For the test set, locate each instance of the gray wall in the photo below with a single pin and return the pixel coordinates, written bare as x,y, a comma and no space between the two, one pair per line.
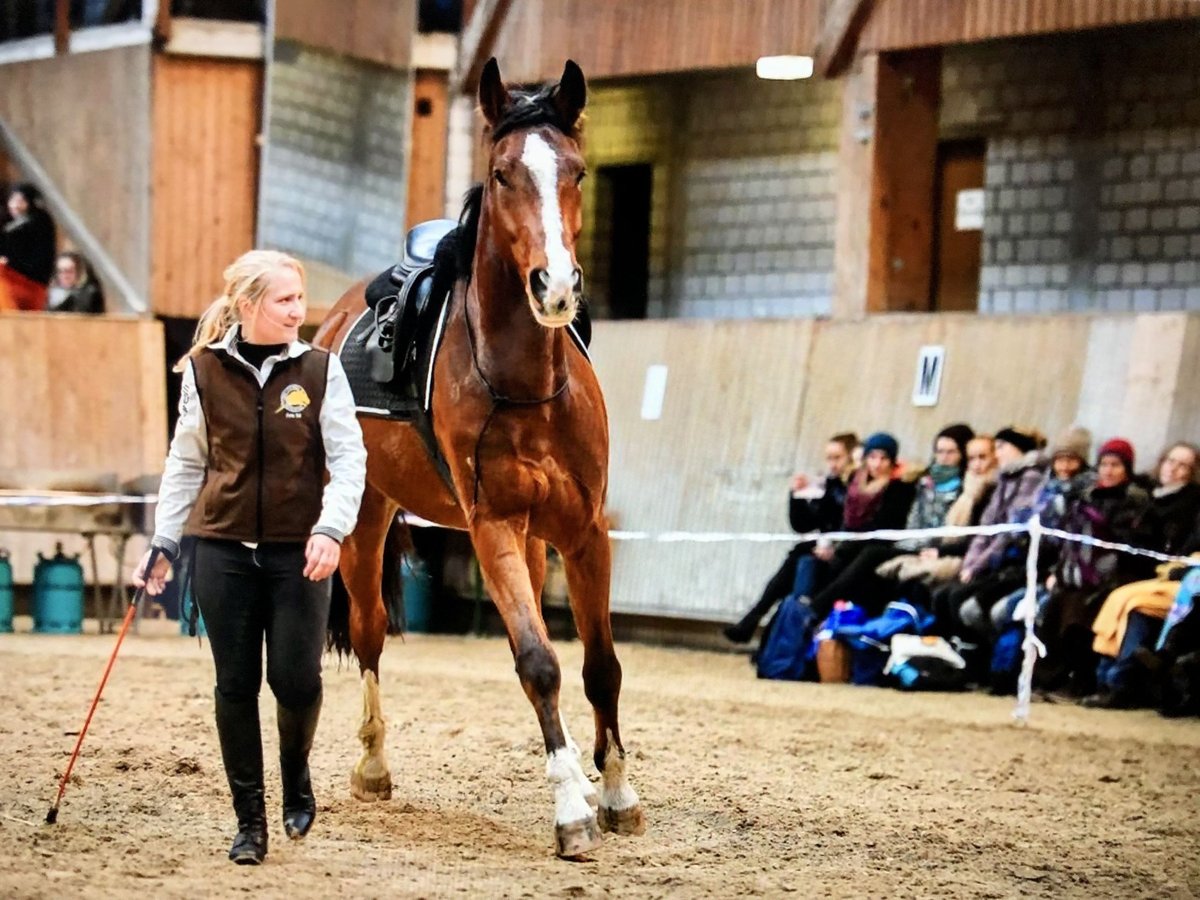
1093,167
334,183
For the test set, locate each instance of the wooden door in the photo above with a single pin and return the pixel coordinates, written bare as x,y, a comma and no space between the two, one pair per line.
958,231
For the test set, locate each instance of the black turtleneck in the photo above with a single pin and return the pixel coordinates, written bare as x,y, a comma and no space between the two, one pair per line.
256,354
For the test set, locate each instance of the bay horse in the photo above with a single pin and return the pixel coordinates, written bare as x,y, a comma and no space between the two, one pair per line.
520,418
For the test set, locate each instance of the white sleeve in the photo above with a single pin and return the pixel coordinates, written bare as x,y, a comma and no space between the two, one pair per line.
345,456
183,474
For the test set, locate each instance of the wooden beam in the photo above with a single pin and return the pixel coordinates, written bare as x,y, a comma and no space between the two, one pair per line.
163,22
478,39
841,26
62,26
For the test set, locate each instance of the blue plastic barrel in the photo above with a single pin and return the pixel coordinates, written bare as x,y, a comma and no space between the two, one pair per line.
58,594
6,593
418,594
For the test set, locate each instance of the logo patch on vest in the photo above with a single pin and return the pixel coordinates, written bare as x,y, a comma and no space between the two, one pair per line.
293,401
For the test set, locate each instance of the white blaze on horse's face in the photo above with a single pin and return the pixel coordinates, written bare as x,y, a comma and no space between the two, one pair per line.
553,291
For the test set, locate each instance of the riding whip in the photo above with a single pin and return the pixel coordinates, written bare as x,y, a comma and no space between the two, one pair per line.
52,815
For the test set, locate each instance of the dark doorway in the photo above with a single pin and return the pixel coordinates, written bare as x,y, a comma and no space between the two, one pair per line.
627,191
957,228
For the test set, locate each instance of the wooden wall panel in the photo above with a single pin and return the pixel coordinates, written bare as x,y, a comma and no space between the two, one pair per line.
900,24
86,118
748,403
379,31
108,415
206,121
635,37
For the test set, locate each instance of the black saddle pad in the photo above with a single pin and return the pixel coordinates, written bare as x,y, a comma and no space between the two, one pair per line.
370,396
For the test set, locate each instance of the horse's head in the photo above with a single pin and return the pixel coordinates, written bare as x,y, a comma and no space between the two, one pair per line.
531,196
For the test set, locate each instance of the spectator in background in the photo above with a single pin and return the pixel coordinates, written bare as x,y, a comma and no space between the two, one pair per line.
938,561
806,513
994,565
1131,616
876,498
73,288
1110,507
27,247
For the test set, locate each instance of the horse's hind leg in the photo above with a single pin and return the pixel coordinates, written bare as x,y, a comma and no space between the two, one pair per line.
362,568
588,576
502,552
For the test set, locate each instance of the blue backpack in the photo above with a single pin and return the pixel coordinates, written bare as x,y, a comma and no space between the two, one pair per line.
784,653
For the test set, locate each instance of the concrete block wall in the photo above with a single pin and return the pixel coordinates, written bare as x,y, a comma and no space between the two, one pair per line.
1093,168
334,183
743,191
756,199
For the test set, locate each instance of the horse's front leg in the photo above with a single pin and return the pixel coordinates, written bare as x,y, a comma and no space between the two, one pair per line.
589,570
361,568
501,546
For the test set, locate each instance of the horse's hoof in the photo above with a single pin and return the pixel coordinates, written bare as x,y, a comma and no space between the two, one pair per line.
622,821
371,788
575,840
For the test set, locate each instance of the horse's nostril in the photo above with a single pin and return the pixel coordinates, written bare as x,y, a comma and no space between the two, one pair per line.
539,280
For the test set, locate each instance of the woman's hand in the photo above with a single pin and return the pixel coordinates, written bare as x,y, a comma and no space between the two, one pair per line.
929,554
156,582
321,557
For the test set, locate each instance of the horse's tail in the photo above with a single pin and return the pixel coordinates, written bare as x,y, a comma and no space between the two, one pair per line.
394,545
337,635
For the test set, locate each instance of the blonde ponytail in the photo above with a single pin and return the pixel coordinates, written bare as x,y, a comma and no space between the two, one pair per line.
246,278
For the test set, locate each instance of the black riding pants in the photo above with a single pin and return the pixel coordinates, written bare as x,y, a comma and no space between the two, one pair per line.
246,595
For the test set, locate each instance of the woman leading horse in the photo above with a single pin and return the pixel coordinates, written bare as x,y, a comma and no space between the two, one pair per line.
519,416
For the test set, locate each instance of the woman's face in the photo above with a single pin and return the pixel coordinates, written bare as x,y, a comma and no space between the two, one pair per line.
1007,453
837,458
1177,467
981,456
1110,471
879,464
18,205
946,452
66,275
277,318
1067,466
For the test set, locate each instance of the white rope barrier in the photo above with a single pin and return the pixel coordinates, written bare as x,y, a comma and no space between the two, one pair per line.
66,498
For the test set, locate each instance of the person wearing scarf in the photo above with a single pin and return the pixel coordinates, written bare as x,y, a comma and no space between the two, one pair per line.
877,498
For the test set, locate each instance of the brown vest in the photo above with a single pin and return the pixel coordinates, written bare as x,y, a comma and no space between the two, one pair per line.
266,459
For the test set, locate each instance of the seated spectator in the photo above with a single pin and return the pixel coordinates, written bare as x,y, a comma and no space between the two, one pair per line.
73,288
994,565
806,514
939,560
1131,616
877,498
27,247
1110,507
1068,461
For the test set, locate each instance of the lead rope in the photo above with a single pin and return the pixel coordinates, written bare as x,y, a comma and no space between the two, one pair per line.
499,401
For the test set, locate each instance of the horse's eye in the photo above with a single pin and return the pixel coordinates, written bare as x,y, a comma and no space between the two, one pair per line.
500,179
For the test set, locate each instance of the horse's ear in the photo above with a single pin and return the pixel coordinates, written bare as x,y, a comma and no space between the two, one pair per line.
493,95
570,96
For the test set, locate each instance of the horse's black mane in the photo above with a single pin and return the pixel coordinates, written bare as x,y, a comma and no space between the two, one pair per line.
456,252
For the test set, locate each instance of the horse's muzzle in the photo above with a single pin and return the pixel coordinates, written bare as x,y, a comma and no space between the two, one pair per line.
554,304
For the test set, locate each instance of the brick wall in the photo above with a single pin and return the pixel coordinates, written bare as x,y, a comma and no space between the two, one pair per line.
334,185
743,191
1093,168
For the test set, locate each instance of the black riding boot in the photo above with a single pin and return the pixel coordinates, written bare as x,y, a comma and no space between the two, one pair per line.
241,750
296,730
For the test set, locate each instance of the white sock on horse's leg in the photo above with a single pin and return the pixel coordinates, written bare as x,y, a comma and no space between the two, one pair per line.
563,773
616,794
585,784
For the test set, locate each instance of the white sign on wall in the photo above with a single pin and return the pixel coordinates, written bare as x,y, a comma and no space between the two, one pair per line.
968,210
931,360
654,392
